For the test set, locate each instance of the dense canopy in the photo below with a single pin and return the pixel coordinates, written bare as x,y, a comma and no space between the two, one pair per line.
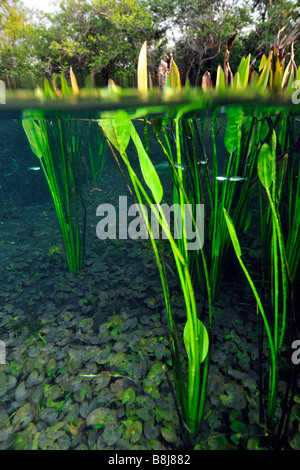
100,39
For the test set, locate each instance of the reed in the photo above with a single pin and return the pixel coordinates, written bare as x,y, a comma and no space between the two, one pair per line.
278,312
58,145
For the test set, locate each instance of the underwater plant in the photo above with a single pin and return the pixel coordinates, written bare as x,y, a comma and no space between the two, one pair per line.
57,144
271,172
94,152
259,150
245,139
118,130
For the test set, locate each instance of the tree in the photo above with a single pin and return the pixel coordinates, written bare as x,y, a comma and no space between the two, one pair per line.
102,36
271,16
15,58
202,28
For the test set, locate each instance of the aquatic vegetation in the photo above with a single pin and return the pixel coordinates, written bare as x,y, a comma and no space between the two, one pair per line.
94,152
271,175
71,153
245,138
33,327
259,150
118,130
62,181
57,144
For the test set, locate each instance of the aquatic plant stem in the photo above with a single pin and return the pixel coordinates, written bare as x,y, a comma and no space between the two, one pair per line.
273,355
61,179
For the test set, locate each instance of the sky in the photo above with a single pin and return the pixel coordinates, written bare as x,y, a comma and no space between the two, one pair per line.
44,5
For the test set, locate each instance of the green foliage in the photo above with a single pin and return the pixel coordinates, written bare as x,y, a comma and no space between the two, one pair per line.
100,39
202,337
15,24
257,149
57,144
264,166
148,171
271,172
232,233
117,130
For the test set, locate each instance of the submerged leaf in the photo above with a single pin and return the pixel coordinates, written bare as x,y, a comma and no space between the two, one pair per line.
232,233
235,119
149,173
134,430
235,396
264,166
203,340
168,432
117,130
128,396
157,123
36,137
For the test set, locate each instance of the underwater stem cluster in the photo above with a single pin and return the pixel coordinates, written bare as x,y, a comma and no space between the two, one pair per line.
259,150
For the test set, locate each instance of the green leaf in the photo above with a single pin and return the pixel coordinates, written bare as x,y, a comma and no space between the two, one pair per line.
217,241
203,340
49,93
280,173
134,432
264,130
235,119
232,233
149,173
264,76
128,396
240,428
251,142
276,74
173,79
243,71
237,85
220,83
155,371
264,166
36,137
288,76
65,89
168,432
117,130
263,60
